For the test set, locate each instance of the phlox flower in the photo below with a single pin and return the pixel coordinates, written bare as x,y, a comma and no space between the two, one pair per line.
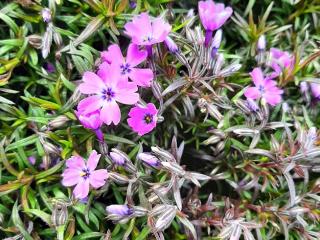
146,31
107,88
143,119
83,174
127,66
280,61
264,88
213,16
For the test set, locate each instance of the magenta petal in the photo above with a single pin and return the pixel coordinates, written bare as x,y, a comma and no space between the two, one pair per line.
252,92
91,83
114,55
257,76
272,99
142,77
93,160
71,177
127,98
91,104
82,189
110,112
98,177
135,56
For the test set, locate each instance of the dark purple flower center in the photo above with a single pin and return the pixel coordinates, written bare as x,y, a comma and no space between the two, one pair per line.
108,94
148,118
261,89
85,173
125,68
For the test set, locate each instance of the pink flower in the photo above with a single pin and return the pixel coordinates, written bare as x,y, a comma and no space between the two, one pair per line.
127,66
143,119
106,89
281,60
84,174
264,88
146,31
213,16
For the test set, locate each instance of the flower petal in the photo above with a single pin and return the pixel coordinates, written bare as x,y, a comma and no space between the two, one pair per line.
82,189
70,177
252,92
272,99
135,56
75,162
257,77
113,55
93,160
110,112
92,83
142,77
98,178
91,104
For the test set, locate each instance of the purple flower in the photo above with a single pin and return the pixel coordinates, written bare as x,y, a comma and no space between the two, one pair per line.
120,210
280,61
143,119
146,31
127,66
213,16
46,15
84,174
117,158
304,87
149,159
32,160
50,68
264,88
106,89
315,89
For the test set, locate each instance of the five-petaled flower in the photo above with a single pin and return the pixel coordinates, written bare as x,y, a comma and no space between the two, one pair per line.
127,66
264,87
213,16
83,174
107,88
143,119
146,31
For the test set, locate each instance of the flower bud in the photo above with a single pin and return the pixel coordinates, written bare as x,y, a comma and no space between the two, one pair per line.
304,87
46,15
133,4
216,43
117,158
252,105
149,159
32,160
58,121
261,44
218,63
59,215
35,41
121,210
171,45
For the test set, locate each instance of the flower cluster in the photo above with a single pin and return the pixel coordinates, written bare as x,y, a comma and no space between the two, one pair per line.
118,79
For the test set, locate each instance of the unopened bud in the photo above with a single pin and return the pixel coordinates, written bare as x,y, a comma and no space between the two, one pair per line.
58,121
149,159
171,45
120,210
261,44
216,42
46,15
304,87
35,41
117,158
59,215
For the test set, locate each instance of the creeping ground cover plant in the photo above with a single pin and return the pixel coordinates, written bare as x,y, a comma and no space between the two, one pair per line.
152,119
